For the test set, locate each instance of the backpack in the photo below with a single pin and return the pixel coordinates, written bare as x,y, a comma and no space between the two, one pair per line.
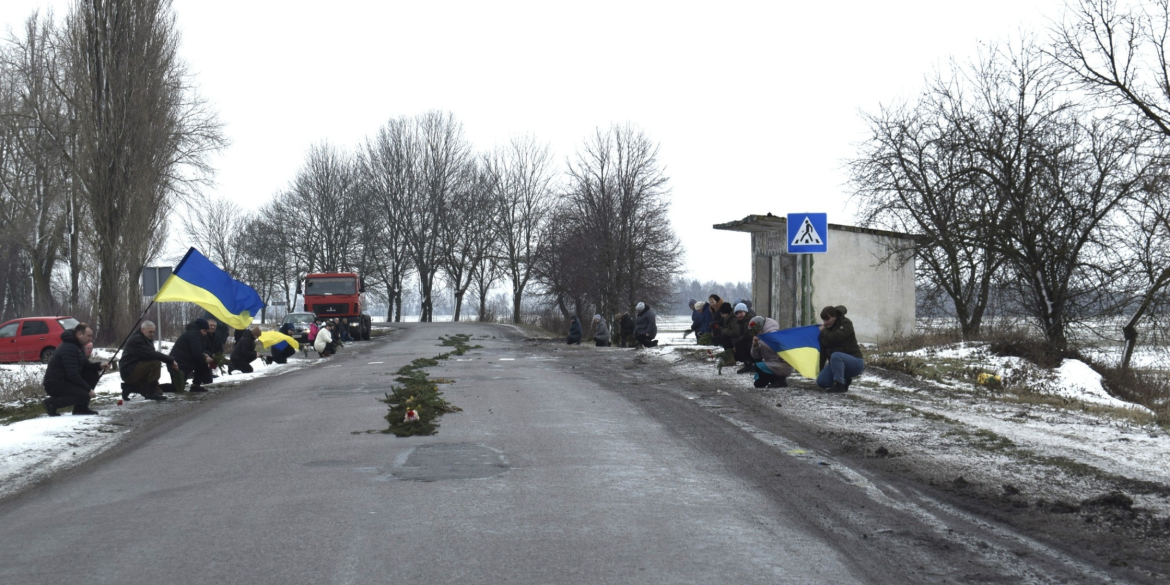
313,329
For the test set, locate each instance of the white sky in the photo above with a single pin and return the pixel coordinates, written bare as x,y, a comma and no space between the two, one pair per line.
755,104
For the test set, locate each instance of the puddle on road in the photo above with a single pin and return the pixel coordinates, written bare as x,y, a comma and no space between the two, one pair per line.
445,461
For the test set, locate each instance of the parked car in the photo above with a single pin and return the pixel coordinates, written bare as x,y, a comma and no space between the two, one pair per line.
300,325
32,339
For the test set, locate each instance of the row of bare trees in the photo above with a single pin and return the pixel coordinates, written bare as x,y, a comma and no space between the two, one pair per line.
416,206
1039,169
101,136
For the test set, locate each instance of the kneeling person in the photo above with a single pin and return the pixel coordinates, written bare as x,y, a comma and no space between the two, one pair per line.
244,353
141,366
324,343
69,374
771,370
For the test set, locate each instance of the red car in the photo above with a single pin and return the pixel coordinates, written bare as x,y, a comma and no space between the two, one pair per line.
33,338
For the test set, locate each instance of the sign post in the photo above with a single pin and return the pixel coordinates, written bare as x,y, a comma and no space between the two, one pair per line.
808,233
153,278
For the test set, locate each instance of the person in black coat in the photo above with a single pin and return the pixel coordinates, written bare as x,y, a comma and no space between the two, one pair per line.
193,362
245,352
627,329
574,331
141,366
646,327
70,378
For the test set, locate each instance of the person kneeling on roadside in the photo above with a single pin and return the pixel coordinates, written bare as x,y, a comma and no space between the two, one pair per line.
282,351
771,371
194,363
600,332
839,349
646,327
70,378
324,343
703,324
625,329
244,353
741,346
141,366
574,331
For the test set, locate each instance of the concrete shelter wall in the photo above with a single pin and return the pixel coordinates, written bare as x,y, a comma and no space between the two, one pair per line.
879,296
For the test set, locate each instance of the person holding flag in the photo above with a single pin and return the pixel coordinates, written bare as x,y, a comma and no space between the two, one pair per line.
839,350
771,370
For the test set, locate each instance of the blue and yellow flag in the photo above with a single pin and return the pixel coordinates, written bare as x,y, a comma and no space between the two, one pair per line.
198,280
271,338
799,346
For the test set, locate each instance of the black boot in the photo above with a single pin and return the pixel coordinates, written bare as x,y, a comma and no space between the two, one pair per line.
166,387
126,392
748,368
838,388
79,410
50,407
779,383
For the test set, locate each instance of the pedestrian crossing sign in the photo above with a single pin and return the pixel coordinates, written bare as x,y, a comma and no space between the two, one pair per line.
808,233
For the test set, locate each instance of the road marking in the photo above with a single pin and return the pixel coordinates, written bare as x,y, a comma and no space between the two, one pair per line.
372,363
507,359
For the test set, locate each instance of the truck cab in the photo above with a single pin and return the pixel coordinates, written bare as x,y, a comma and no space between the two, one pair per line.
337,296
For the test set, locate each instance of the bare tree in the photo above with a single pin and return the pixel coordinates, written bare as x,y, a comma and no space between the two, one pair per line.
916,174
217,229
444,154
1118,51
390,175
467,234
32,172
322,202
520,175
142,136
619,200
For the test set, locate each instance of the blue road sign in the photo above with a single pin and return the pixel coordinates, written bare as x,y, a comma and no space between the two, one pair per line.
808,233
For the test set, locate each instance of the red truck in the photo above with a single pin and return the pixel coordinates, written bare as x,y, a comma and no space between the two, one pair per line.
337,296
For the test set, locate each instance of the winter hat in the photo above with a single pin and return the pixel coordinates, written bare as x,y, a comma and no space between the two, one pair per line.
201,324
596,318
756,323
641,307
725,308
741,307
698,305
691,302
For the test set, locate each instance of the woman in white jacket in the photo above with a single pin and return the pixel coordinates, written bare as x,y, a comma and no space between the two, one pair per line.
324,343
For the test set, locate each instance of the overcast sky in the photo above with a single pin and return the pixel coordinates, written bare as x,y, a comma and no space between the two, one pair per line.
755,104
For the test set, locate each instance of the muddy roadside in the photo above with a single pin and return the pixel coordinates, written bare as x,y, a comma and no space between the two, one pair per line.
896,430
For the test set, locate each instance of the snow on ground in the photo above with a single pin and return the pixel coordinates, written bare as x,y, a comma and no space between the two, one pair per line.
32,449
1073,380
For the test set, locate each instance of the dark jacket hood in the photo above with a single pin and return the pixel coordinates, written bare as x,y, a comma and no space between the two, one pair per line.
70,336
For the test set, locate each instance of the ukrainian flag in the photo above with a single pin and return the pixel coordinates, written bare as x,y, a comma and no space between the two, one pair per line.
271,338
799,346
198,280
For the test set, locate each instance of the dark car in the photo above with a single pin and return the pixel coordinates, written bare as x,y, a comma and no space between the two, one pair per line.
32,339
300,325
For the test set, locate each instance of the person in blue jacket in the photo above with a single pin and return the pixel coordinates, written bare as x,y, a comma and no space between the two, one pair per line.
703,322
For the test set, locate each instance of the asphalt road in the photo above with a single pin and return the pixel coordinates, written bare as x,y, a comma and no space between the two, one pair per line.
563,467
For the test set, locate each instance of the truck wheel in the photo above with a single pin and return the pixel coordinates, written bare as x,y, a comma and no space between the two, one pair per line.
365,329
